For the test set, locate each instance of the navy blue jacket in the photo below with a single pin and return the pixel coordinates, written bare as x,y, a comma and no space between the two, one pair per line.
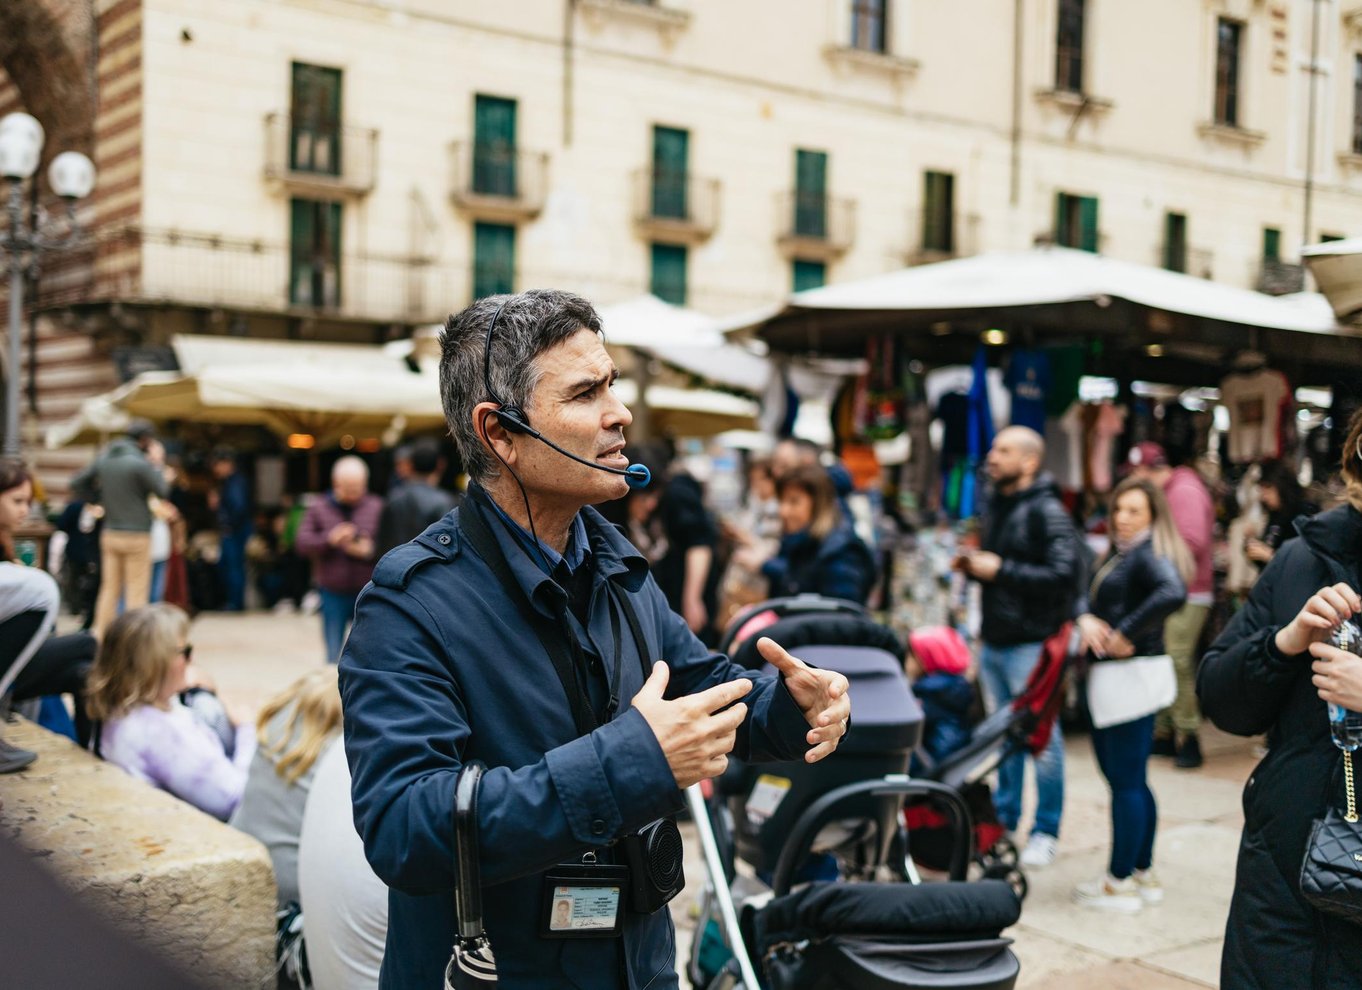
946,700
440,668
837,566
1134,592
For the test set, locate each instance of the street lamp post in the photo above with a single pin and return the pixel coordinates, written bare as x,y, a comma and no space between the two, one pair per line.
71,176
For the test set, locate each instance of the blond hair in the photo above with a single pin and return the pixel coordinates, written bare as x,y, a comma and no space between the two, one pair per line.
314,720
1168,542
1352,462
133,660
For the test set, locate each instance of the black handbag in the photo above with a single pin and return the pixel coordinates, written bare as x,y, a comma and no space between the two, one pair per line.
1331,874
471,965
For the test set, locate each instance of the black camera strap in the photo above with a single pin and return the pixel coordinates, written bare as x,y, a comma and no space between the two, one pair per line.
557,638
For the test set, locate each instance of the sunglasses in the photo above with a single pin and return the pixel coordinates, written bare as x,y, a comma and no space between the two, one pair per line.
187,651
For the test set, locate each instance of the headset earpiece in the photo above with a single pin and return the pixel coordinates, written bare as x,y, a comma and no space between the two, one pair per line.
512,420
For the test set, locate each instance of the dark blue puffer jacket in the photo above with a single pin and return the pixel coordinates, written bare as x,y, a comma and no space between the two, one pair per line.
837,566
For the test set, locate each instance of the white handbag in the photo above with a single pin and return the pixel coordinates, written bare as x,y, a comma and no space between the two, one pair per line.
1121,691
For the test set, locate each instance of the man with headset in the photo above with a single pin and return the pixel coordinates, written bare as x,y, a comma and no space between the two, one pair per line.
525,633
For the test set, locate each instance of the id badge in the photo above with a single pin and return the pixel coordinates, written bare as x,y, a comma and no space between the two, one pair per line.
583,900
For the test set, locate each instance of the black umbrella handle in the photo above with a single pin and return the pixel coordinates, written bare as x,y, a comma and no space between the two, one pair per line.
468,880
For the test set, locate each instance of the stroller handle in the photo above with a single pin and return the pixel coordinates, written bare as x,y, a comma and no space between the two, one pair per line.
822,811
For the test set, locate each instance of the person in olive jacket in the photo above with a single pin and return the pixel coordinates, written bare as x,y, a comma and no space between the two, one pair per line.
1138,585
1272,670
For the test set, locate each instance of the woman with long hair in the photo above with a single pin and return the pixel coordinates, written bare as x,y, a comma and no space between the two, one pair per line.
1140,582
58,664
1281,495
292,730
1272,670
819,554
134,692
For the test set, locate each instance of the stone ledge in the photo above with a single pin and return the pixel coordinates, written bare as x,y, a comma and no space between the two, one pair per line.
178,880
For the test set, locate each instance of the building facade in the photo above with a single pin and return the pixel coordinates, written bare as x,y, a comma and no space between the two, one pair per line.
348,169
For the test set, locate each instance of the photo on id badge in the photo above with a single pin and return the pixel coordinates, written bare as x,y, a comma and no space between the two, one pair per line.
583,909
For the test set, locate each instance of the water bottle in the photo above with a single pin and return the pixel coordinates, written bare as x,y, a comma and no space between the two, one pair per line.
1345,725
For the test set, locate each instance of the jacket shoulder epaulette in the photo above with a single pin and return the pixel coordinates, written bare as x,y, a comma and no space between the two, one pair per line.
439,543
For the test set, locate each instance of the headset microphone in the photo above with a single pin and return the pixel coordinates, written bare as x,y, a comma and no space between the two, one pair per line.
637,475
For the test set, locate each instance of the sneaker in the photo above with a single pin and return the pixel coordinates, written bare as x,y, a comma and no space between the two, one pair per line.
1151,891
1164,746
1040,851
1110,894
12,758
1189,753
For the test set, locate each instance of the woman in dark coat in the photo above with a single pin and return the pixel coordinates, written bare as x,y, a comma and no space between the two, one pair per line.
819,554
1257,677
1140,582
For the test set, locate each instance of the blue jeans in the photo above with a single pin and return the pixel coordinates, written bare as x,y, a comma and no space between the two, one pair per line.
338,611
1122,753
232,570
158,581
1003,671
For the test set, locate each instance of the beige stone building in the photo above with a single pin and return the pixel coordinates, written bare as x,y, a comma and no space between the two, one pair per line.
348,169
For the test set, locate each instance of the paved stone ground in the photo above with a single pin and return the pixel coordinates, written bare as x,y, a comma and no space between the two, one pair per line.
1061,946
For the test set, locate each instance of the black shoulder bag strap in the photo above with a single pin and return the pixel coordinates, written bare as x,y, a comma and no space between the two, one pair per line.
550,635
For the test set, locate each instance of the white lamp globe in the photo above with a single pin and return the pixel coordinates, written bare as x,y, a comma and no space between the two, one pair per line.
71,175
21,143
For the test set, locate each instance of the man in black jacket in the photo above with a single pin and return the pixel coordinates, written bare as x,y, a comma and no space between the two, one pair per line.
417,502
1028,564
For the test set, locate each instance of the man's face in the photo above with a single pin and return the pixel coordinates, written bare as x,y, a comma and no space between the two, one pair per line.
575,407
222,469
1007,460
349,486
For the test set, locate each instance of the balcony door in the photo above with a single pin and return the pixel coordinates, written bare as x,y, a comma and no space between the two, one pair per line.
811,194
315,254
494,146
671,161
315,120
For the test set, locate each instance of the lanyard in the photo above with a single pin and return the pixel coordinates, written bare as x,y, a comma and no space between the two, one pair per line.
557,638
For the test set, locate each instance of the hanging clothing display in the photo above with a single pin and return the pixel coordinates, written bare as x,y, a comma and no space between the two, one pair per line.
1064,448
882,414
1258,402
1103,423
1066,369
1028,379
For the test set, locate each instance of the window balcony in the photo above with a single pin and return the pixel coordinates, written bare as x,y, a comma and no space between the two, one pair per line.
320,161
1279,278
939,237
675,207
814,226
500,184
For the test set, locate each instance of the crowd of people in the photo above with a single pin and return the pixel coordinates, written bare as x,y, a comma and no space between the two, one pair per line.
1132,604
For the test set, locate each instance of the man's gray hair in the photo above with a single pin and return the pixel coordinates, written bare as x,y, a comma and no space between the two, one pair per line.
530,323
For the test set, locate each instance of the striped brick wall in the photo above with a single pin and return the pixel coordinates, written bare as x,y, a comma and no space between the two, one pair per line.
117,199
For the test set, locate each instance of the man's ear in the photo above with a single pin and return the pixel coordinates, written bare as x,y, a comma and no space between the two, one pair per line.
494,436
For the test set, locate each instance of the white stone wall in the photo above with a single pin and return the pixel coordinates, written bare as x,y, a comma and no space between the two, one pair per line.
752,81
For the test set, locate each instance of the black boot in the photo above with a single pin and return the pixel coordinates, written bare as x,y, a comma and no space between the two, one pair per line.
1189,753
12,758
1164,746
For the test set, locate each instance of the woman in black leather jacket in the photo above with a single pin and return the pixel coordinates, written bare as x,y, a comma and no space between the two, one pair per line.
1139,583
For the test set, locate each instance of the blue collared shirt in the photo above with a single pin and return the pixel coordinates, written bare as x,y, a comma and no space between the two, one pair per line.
546,557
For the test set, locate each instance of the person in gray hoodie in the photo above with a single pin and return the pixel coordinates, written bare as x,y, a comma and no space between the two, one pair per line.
121,480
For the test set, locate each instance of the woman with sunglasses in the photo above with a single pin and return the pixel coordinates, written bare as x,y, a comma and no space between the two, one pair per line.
134,692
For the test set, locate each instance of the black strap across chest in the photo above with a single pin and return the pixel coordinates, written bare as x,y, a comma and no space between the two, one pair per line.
557,637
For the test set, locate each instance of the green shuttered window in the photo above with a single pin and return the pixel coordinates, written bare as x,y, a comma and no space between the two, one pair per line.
314,253
493,259
494,147
668,278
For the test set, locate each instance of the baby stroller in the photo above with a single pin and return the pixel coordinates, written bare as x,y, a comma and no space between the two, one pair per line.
1024,725
839,820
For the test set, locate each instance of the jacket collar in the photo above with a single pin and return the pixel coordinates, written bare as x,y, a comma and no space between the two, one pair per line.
1336,535
612,557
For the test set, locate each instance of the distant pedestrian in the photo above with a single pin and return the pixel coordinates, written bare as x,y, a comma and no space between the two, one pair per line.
415,504
236,522
1029,564
1137,586
1189,501
122,480
339,534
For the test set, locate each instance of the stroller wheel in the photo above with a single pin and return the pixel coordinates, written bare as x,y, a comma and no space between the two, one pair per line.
1010,874
1003,853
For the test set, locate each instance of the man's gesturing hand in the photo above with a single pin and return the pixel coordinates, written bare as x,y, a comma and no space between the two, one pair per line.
694,735
820,694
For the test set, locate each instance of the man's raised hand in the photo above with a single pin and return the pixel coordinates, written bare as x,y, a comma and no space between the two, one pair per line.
820,694
695,735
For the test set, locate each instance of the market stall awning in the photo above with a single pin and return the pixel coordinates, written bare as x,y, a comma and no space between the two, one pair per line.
1054,294
328,391
1337,267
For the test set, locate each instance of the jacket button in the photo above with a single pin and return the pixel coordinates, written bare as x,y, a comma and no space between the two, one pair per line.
597,827
443,539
